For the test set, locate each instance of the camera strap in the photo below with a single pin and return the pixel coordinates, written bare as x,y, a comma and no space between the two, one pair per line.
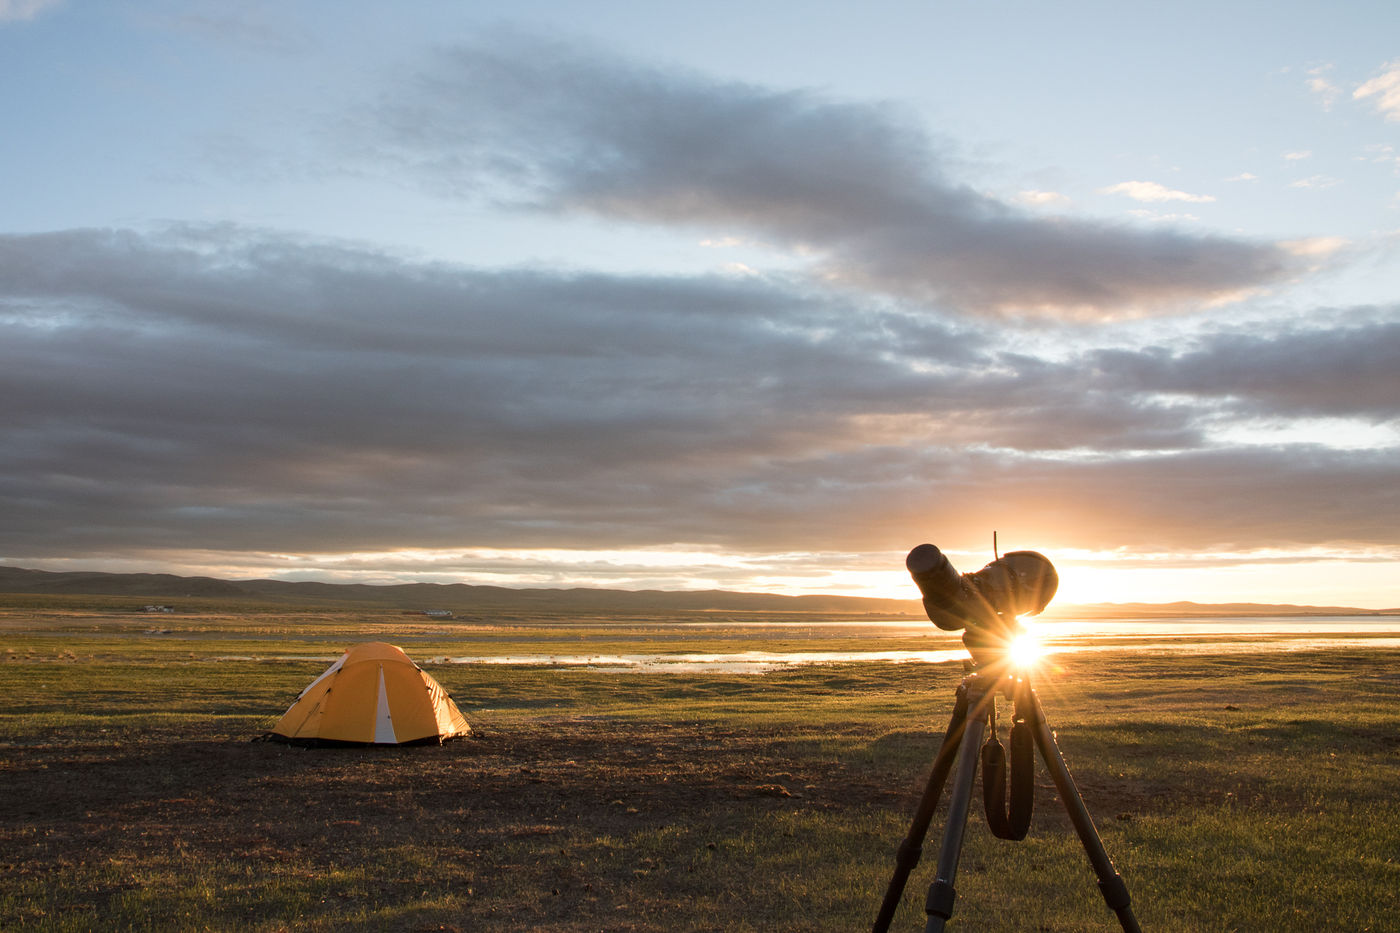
1015,823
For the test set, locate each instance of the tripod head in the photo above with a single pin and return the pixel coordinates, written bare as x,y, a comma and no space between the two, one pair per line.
986,603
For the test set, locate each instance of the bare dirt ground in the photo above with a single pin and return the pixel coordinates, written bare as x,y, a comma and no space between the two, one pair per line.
528,825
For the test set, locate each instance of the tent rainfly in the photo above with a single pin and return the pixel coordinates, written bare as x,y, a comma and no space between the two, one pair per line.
374,695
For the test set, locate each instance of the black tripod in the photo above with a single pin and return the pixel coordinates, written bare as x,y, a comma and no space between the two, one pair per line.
975,705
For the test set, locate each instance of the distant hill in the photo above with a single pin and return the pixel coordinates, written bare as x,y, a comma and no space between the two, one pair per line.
459,597
156,585
464,598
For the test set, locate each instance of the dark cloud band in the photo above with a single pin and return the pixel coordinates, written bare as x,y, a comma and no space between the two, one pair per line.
230,389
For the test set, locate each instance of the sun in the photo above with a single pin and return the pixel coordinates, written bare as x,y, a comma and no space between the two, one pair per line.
1024,651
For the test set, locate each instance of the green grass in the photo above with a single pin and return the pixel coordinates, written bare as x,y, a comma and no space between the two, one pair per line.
1239,793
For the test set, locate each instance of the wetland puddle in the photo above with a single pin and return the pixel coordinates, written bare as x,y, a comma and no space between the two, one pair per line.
737,646
1143,636
759,662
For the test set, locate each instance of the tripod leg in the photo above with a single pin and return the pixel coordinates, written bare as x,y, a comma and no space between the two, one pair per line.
939,903
911,849
1115,892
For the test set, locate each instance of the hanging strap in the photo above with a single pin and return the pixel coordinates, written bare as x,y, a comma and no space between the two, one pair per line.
1015,824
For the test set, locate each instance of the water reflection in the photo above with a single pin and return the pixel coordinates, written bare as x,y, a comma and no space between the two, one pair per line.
1201,642
761,646
740,662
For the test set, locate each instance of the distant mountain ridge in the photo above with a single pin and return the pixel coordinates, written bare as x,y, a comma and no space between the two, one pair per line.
454,596
463,597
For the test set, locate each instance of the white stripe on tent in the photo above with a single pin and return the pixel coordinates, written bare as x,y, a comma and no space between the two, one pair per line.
383,726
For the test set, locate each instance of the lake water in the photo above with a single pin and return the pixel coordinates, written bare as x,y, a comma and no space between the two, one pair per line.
1187,636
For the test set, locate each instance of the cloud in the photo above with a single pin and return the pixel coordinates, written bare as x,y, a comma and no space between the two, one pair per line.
1320,85
1349,370
1319,182
248,25
1152,192
16,10
1385,89
231,390
863,190
1381,154
1270,500
1042,198
262,389
1298,155
1320,247
1156,217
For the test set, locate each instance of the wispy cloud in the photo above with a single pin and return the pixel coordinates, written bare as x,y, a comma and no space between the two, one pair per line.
1151,191
1316,246
18,10
861,189
1042,198
1322,86
1315,181
1158,217
1385,89
1382,154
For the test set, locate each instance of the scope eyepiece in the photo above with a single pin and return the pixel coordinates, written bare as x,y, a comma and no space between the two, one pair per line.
943,588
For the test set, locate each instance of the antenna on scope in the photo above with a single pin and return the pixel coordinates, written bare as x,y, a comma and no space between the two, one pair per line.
995,555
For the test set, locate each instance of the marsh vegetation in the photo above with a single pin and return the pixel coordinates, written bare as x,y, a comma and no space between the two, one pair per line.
1249,791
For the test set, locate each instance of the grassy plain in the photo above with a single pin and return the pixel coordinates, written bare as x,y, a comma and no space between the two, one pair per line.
1235,792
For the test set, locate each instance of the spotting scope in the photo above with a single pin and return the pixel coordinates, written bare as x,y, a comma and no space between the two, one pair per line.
985,603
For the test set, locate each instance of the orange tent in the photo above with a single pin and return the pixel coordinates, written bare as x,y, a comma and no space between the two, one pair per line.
374,695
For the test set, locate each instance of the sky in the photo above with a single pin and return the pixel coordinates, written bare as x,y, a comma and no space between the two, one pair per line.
751,296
